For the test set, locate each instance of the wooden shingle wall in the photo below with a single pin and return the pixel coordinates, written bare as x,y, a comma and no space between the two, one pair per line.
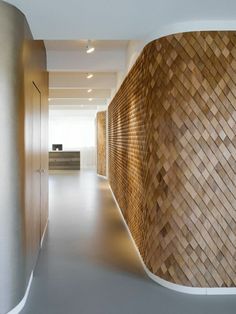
172,157
101,143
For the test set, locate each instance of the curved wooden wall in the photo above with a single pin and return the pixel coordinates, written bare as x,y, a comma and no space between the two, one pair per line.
172,157
101,143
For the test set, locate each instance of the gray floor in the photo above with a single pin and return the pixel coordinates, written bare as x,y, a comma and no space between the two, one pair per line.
88,264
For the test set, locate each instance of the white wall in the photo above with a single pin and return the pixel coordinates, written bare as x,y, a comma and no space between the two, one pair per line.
75,129
133,51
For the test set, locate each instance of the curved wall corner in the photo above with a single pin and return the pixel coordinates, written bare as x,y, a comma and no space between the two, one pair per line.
101,143
172,157
21,61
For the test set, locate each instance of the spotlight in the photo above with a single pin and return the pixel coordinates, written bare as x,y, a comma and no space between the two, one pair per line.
89,76
89,48
89,90
90,99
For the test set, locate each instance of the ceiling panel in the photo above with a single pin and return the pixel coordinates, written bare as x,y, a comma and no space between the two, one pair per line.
80,80
79,93
75,108
77,102
80,61
80,45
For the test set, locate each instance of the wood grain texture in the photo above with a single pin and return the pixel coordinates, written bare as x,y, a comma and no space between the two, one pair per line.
101,143
172,157
35,74
64,160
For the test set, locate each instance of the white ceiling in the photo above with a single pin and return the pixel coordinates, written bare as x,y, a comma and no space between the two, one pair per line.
80,93
123,19
80,102
118,29
99,61
100,80
69,64
80,45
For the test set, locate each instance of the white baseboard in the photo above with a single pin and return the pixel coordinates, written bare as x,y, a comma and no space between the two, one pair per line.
99,175
20,306
170,285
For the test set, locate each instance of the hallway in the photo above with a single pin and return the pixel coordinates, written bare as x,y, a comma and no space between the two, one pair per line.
88,264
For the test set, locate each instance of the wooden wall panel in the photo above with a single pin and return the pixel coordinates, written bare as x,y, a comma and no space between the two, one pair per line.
101,143
35,75
172,157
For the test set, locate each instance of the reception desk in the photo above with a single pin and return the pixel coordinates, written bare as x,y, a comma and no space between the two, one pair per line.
64,160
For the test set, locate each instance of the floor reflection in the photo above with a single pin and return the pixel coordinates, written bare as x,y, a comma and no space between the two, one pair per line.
88,264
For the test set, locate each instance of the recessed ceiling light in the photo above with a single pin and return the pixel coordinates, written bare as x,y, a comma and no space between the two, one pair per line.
89,76
90,99
89,48
49,99
89,90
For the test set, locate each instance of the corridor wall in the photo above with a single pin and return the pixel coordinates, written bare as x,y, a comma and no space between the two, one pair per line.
172,157
23,219
101,143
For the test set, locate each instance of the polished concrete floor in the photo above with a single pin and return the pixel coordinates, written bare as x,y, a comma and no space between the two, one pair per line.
88,264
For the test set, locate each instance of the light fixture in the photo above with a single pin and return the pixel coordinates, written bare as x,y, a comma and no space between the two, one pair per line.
89,75
89,90
89,48
90,99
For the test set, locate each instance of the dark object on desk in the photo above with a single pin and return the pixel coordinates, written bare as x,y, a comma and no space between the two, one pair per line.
62,160
57,147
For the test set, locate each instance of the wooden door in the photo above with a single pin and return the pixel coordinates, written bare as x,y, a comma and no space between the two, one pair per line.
36,165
